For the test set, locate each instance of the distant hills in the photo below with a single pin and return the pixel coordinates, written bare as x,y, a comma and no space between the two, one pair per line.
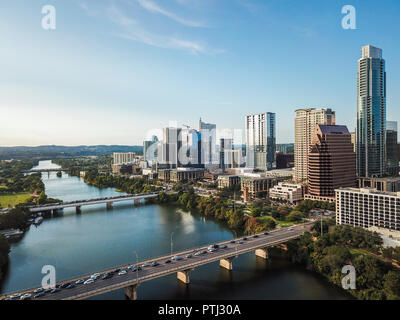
63,151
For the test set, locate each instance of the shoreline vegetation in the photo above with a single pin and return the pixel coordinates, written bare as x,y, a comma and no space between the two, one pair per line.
377,272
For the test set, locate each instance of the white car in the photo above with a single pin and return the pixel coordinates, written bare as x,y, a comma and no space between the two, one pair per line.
89,281
26,296
122,272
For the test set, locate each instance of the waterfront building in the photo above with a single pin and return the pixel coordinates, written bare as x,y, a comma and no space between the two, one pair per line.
331,163
306,121
371,113
123,157
254,184
368,208
290,192
261,140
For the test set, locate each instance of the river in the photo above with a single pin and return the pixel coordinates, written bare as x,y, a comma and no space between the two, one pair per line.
99,239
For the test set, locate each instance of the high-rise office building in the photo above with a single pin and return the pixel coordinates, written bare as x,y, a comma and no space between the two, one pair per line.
261,140
209,153
371,114
169,147
123,157
150,149
392,148
306,121
332,162
190,153
225,153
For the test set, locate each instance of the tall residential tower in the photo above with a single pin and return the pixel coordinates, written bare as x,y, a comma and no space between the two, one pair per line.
261,140
371,114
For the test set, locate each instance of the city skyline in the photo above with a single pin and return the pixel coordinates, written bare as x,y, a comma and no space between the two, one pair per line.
55,95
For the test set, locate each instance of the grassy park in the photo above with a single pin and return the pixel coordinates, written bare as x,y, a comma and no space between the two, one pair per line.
13,199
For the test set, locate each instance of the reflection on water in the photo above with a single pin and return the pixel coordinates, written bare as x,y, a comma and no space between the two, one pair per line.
100,239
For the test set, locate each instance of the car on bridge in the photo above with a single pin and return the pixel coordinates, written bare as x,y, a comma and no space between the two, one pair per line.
176,258
107,275
154,264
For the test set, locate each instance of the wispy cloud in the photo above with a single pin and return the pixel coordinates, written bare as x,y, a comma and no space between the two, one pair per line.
155,8
131,29
116,16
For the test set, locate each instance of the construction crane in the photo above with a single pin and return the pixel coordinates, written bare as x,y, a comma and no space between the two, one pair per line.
185,125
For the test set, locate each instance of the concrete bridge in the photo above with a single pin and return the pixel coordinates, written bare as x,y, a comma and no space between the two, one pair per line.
52,207
132,279
44,170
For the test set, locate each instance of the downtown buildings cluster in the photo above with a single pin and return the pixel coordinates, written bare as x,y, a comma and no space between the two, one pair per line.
359,171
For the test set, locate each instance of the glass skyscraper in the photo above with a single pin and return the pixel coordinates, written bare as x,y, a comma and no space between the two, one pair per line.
261,140
371,114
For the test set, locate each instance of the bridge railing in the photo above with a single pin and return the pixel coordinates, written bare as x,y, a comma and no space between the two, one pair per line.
185,251
177,269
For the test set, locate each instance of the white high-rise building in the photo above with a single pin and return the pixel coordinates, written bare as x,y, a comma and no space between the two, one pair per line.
261,140
123,157
306,121
368,208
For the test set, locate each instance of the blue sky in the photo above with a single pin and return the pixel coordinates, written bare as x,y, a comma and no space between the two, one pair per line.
114,69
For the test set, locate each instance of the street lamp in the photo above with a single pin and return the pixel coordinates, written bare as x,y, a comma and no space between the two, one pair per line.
137,268
172,244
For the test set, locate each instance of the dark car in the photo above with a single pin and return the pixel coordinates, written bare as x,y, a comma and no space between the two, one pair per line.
232,241
116,270
255,236
168,261
107,275
266,233
244,239
55,290
71,286
40,294
224,246
63,286
154,264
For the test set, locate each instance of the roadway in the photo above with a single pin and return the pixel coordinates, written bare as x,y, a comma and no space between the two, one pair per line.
82,291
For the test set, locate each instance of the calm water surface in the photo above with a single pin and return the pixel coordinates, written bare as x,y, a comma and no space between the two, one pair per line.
99,239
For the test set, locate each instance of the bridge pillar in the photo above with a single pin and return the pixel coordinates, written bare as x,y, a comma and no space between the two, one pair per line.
109,205
184,276
262,253
226,263
131,292
284,247
78,209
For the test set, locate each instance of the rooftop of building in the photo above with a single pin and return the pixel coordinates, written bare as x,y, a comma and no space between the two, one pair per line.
370,191
333,129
